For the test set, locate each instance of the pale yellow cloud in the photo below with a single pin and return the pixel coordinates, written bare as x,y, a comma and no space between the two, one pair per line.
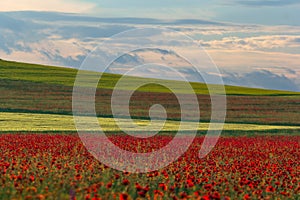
253,43
53,5
245,61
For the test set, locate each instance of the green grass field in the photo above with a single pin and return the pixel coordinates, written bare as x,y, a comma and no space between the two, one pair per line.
12,122
66,77
39,98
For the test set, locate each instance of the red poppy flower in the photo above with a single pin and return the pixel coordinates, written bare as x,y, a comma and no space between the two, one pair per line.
31,178
208,186
125,182
108,185
163,186
270,189
123,196
246,196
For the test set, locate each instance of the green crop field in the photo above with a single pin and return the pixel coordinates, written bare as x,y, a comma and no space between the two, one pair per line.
29,88
66,76
12,122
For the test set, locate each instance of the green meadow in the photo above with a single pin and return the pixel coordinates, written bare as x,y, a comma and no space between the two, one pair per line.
66,77
39,98
51,122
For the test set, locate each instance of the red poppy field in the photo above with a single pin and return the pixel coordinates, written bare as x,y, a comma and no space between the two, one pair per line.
53,163
57,166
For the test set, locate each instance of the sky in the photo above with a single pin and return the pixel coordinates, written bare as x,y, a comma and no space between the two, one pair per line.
272,12
255,43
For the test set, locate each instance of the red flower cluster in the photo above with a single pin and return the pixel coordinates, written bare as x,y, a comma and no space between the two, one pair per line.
45,166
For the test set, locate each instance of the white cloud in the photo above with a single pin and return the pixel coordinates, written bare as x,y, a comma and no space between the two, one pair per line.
236,48
254,43
245,61
53,5
26,57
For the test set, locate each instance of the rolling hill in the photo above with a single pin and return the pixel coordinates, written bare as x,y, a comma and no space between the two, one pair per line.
66,77
38,89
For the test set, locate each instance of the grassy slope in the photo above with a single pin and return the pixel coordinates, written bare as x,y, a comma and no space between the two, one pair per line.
30,88
66,76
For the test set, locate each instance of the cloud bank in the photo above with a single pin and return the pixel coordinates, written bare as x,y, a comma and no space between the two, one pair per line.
53,5
248,55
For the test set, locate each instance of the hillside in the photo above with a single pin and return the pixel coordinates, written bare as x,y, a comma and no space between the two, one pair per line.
30,88
66,77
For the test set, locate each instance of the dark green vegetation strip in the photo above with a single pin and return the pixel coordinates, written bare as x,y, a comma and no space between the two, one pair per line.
225,133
